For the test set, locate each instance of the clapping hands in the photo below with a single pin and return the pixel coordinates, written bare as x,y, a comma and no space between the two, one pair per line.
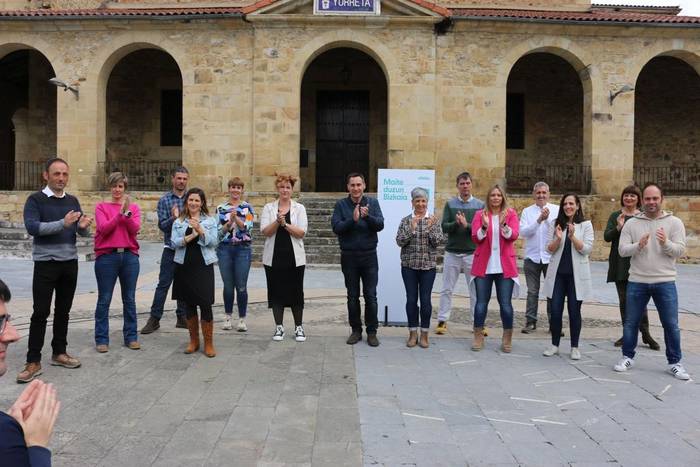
36,411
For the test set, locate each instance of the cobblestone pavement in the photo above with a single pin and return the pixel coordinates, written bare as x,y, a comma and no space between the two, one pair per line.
324,403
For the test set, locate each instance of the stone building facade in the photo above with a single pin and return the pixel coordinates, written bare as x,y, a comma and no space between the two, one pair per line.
511,90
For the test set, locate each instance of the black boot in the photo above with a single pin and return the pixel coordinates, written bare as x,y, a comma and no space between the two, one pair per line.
646,335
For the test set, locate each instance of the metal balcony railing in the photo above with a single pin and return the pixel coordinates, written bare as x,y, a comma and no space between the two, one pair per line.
560,178
149,175
21,175
675,180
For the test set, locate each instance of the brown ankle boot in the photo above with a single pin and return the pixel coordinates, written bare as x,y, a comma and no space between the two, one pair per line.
193,327
478,342
423,342
507,342
208,333
412,339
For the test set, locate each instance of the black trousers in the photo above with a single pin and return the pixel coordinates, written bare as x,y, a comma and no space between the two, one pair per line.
50,276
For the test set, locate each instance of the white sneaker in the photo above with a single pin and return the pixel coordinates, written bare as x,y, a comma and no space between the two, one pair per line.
678,371
575,354
299,334
624,364
241,326
279,333
551,351
227,323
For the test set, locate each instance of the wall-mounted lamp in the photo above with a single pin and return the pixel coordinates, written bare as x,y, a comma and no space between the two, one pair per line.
66,87
623,89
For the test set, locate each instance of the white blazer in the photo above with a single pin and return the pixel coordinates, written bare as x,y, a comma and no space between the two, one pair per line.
297,214
579,260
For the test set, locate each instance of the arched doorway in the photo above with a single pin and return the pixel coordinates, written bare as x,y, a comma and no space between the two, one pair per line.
343,120
667,125
144,119
544,125
27,118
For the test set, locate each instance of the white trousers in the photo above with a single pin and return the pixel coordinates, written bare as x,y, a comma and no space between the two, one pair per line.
454,264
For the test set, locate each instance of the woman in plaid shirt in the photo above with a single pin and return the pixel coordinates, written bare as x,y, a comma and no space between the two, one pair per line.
419,236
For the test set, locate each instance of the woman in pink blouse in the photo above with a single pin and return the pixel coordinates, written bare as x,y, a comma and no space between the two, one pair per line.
117,257
494,230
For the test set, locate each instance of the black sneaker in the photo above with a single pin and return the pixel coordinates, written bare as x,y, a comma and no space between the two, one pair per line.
354,338
529,328
152,324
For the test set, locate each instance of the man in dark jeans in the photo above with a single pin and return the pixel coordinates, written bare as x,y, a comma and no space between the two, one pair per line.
356,221
53,218
169,207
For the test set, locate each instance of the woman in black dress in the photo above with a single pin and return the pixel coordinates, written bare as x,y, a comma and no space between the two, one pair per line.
284,224
195,236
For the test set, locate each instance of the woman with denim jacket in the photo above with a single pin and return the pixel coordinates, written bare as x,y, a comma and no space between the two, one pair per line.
195,236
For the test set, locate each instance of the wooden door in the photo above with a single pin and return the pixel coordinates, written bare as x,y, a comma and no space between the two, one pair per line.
342,137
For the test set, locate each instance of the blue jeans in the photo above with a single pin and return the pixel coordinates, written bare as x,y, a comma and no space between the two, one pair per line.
565,288
109,268
234,265
504,293
356,266
666,300
418,281
165,279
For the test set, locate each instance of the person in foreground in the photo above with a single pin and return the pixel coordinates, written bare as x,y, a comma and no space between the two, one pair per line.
284,223
54,218
419,236
569,273
356,221
235,251
494,230
618,267
195,236
653,239
25,431
117,257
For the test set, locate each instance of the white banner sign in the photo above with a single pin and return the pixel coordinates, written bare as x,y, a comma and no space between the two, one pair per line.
394,195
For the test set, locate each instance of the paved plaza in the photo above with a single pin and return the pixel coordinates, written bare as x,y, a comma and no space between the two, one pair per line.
325,403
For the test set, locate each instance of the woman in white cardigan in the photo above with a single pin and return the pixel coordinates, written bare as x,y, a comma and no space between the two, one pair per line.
284,223
569,273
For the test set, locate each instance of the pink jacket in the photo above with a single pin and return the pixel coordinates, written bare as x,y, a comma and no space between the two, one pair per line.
115,230
506,245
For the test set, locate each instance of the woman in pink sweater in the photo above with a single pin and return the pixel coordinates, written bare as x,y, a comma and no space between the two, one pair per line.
117,257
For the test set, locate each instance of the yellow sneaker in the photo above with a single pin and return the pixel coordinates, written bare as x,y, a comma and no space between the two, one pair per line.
441,327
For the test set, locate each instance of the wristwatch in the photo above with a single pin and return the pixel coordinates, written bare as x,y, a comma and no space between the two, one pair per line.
128,213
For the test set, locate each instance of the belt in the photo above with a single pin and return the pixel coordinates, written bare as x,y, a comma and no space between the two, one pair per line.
119,250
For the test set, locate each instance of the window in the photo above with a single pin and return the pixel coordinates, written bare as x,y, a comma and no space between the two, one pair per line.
171,117
515,121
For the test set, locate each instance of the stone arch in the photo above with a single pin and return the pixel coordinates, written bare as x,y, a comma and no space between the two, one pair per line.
574,175
107,58
667,121
28,111
368,90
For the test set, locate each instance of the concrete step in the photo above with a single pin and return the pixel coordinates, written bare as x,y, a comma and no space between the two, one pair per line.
7,233
84,254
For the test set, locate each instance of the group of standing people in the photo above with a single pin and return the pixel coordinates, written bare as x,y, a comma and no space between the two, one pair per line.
479,241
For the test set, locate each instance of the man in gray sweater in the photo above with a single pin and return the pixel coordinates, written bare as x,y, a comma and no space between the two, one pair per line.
654,239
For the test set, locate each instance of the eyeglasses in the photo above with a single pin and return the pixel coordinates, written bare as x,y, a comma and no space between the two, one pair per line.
4,319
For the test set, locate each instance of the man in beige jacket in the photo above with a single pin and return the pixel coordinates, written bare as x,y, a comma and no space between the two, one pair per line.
654,239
